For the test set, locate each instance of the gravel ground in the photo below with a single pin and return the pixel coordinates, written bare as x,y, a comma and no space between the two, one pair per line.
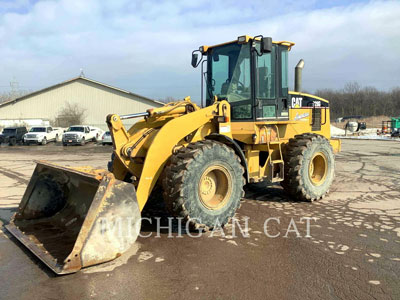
352,249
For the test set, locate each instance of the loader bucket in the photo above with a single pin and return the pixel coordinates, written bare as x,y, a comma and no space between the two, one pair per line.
74,218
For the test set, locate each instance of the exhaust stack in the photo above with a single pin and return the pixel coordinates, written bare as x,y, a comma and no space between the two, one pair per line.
298,75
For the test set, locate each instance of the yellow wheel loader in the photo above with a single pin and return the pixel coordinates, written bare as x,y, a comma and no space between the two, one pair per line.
251,129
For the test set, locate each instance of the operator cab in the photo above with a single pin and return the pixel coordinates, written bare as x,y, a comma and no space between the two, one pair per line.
251,74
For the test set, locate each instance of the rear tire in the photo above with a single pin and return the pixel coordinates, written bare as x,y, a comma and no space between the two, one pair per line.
203,184
309,167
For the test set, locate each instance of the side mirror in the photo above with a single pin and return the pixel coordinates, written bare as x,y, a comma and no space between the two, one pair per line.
195,57
266,45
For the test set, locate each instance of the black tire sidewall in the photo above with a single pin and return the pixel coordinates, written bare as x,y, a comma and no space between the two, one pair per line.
323,147
217,155
110,163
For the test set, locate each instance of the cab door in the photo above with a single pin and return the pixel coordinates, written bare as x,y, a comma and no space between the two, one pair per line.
283,82
271,99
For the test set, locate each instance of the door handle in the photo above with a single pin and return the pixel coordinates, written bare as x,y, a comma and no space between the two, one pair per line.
259,103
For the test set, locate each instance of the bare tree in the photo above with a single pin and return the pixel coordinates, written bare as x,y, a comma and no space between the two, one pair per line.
69,115
353,100
9,96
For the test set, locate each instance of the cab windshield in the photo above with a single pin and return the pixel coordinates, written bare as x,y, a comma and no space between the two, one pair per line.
228,77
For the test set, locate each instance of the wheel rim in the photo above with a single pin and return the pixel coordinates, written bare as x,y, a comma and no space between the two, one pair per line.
318,168
215,187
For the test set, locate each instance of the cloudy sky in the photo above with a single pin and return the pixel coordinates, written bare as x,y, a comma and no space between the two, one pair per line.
145,46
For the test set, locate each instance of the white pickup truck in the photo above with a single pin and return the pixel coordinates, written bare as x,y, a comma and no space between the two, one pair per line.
41,135
81,134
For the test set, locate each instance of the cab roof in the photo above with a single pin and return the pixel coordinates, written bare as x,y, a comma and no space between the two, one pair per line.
247,39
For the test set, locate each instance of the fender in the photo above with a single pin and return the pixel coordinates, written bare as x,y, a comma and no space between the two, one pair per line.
235,146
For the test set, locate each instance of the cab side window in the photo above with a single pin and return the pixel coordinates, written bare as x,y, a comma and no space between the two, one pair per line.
284,72
265,76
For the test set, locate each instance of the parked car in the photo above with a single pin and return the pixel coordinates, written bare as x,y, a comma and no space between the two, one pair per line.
81,134
41,135
12,135
106,139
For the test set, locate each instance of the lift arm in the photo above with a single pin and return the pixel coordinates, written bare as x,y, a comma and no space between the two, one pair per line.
162,146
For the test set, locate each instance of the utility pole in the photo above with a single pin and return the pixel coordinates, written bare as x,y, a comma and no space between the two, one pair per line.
14,84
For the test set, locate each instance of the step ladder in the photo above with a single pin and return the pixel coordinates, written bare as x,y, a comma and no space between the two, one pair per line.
276,166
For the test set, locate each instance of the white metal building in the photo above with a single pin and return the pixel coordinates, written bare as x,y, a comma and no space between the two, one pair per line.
97,99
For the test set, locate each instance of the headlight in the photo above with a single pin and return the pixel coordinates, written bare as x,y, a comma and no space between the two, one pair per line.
243,39
203,49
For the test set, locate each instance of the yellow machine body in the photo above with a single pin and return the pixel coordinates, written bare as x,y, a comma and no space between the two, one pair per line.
60,216
144,149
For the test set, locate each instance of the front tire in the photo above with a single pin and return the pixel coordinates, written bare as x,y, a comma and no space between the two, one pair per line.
309,167
83,142
203,184
44,142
